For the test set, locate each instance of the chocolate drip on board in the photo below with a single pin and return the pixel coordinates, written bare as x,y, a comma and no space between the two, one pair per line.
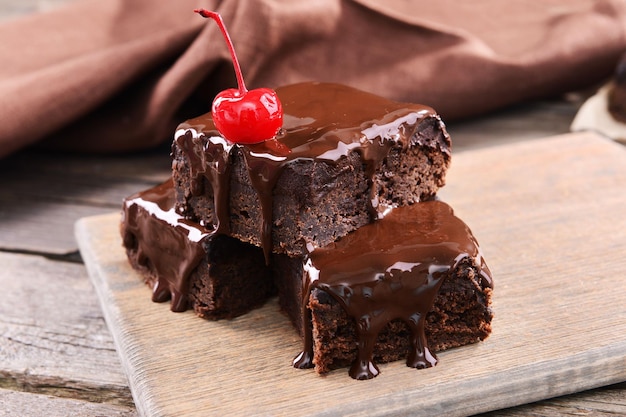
390,269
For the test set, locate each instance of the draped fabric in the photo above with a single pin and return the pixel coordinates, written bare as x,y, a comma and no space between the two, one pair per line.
119,75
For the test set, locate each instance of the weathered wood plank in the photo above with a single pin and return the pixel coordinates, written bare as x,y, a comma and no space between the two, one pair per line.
53,338
549,215
43,194
147,166
606,402
86,180
21,404
66,189
529,121
41,226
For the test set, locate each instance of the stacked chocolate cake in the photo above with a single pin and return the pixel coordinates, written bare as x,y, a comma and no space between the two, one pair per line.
338,214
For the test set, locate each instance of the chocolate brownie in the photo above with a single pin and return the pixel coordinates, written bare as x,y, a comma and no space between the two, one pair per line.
338,213
406,286
617,92
216,275
343,158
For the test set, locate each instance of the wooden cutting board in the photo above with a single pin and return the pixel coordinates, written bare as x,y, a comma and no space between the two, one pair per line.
551,219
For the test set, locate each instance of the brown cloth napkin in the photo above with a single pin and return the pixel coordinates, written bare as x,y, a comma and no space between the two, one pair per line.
119,75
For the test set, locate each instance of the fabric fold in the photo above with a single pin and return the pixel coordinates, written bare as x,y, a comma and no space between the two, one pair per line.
120,75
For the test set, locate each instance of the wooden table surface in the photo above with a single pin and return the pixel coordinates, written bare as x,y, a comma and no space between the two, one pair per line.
57,356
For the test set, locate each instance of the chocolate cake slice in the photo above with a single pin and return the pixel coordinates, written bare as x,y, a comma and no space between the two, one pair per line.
344,157
216,275
338,214
405,286
617,92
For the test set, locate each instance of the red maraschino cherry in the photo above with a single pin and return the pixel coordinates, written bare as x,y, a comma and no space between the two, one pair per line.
240,115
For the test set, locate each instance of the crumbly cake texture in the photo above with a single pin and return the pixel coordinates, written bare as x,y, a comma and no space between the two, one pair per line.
217,276
457,312
349,185
232,281
230,278
461,315
334,177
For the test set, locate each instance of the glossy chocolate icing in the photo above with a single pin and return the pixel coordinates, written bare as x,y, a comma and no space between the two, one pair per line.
169,245
313,130
390,269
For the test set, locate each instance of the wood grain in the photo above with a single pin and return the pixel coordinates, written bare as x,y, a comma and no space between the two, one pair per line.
53,338
607,402
42,196
22,404
549,216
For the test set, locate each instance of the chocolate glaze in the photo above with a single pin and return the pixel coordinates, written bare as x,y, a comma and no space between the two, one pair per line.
169,245
617,92
356,121
390,269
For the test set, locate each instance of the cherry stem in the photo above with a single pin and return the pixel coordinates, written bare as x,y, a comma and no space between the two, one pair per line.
220,23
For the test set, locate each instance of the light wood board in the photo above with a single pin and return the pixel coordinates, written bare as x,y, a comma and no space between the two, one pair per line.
551,218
